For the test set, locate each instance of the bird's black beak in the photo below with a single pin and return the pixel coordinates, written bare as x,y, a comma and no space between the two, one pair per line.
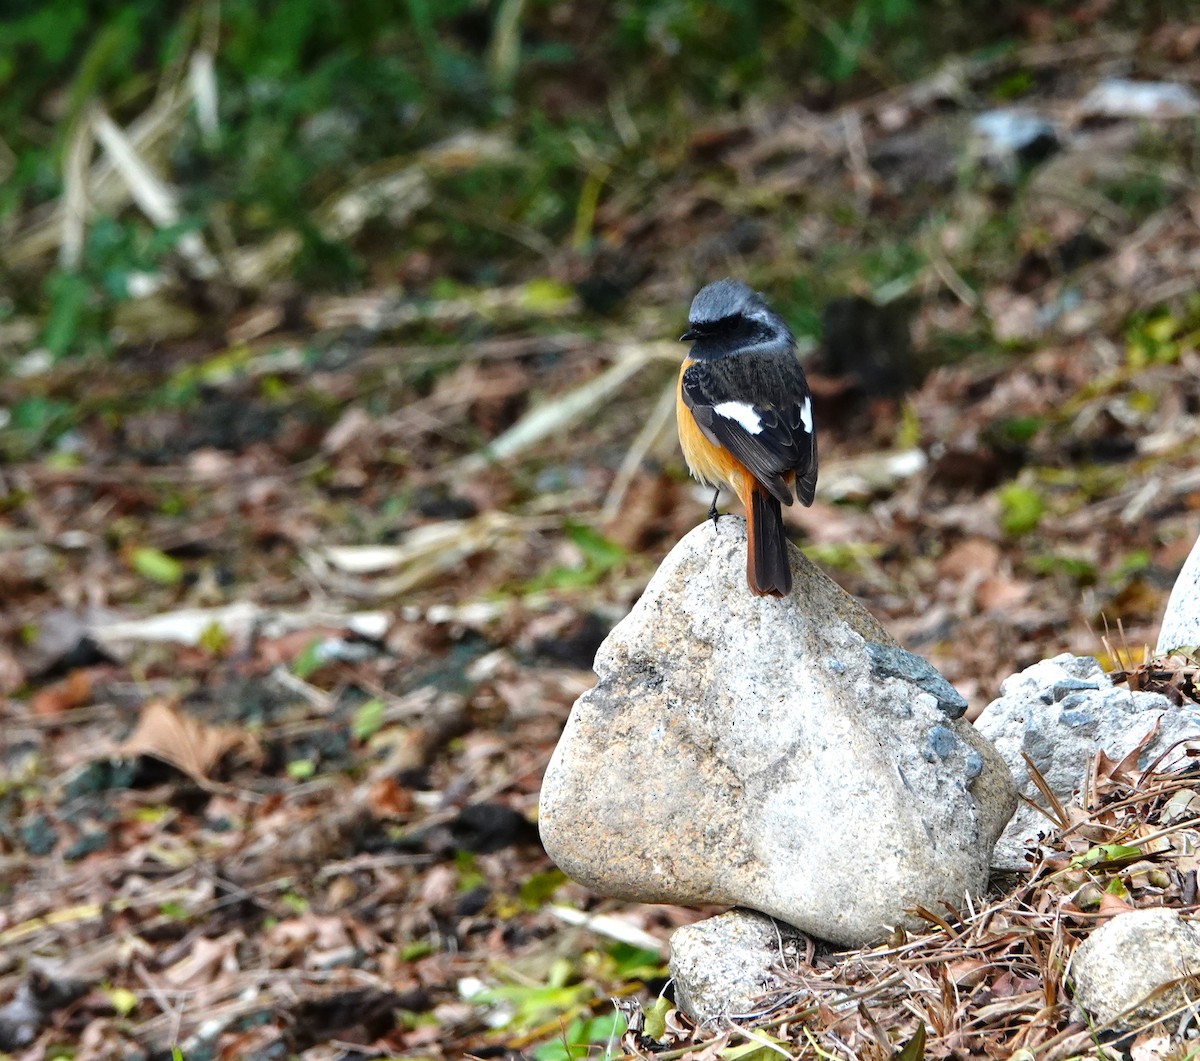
689,336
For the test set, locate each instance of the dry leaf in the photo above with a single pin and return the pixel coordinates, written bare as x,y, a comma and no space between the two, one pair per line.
207,960
1111,905
75,690
191,746
999,592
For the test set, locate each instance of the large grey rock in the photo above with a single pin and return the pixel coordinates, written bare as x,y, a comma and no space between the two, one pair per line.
759,752
1127,959
724,965
1181,620
1060,712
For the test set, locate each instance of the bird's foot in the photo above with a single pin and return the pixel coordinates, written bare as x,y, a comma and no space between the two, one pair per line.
713,514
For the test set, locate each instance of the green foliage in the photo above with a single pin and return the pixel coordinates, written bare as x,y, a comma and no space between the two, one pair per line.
914,1049
537,890
531,1004
308,660
1076,570
80,302
301,769
1160,337
580,1037
33,422
1132,563
367,719
849,43
1104,855
634,963
1021,508
599,557
156,566
310,91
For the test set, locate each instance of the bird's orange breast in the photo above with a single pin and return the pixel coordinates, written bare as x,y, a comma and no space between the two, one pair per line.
708,462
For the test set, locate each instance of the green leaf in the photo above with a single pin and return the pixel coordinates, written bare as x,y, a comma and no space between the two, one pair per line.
301,769
914,1049
296,903
213,639
156,566
580,1036
39,416
308,660
1116,887
635,963
1021,509
655,1024
542,295
122,1000
367,719
69,294
597,550
535,892
1106,853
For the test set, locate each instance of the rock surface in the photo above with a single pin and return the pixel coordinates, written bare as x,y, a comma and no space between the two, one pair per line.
724,965
1181,620
1060,712
1127,959
758,752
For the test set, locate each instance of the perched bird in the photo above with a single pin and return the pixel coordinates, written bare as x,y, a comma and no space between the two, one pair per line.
745,420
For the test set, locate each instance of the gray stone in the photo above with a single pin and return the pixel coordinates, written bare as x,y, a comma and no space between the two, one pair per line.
1181,620
724,965
1116,97
1008,135
891,661
744,750
1060,712
1127,959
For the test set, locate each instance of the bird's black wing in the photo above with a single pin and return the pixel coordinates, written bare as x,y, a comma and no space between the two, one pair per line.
759,408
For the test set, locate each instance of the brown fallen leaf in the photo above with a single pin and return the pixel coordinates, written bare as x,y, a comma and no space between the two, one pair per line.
189,745
74,690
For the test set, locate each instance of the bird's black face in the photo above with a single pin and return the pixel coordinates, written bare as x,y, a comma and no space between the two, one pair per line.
727,318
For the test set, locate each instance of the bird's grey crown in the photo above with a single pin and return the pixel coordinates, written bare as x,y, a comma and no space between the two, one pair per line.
723,299
727,317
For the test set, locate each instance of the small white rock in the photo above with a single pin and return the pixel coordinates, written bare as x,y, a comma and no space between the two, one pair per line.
723,966
1181,620
1127,959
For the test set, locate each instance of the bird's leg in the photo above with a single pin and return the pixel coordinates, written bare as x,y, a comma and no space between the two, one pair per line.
713,514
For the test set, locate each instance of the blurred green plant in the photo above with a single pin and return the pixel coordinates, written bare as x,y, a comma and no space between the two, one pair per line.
81,301
311,93
1161,337
580,1038
1021,508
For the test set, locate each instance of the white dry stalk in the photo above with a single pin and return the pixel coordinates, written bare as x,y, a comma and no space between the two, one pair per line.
153,196
202,79
75,195
106,190
568,410
426,553
610,927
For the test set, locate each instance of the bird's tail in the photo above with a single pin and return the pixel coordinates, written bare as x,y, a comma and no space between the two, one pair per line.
767,567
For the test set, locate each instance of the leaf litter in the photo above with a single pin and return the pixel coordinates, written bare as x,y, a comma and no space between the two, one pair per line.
261,870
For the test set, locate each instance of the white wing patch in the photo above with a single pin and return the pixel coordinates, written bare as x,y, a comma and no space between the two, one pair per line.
806,415
742,413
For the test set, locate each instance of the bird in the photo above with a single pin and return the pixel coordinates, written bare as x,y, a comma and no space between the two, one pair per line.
744,413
